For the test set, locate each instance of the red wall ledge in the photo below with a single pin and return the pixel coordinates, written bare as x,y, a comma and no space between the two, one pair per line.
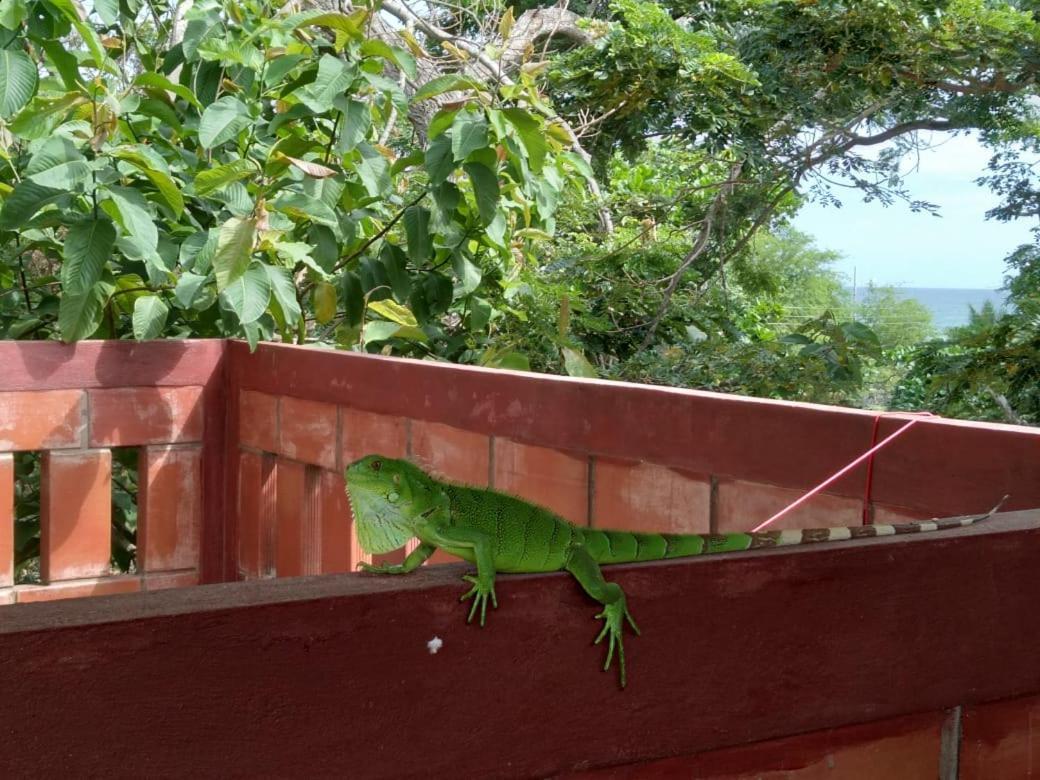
332,675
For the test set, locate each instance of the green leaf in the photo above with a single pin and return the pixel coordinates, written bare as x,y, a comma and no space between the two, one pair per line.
373,47
221,176
150,313
22,204
394,312
485,189
439,160
334,78
222,121
440,85
284,293
133,214
348,24
357,119
88,247
58,164
374,171
168,189
304,207
417,230
531,134
381,331
18,79
234,252
107,11
80,313
576,364
469,132
249,294
188,286
468,273
40,118
12,13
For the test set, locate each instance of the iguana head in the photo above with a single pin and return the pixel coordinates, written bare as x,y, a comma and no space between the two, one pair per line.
388,498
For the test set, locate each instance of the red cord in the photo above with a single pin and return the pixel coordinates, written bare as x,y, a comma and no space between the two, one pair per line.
866,456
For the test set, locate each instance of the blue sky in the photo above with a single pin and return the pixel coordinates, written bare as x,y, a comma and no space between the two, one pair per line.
894,246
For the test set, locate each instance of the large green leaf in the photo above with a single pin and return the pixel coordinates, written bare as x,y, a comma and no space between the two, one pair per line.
187,290
168,189
22,204
80,313
132,212
18,79
374,171
58,164
469,132
249,294
334,78
234,251
222,121
215,178
150,313
440,85
12,13
531,134
417,229
485,189
284,292
357,119
304,207
88,246
439,160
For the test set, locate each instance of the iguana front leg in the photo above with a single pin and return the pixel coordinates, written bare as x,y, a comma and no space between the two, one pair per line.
615,612
413,561
441,535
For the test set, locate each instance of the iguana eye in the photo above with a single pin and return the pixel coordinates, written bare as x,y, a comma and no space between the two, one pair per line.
392,497
397,479
376,465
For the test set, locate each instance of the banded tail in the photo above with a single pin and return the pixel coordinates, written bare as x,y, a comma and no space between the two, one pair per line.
608,546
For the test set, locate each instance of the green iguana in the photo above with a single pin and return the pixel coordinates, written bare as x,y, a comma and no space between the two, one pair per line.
394,501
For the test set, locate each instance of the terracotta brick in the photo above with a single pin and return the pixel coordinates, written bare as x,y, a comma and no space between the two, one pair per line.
897,514
340,551
1001,740
170,580
554,479
649,497
451,453
257,489
131,416
743,505
6,520
75,514
45,420
307,432
75,589
439,556
258,420
298,536
367,433
6,596
169,508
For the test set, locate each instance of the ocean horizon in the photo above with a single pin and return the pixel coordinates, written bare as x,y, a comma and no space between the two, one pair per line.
950,306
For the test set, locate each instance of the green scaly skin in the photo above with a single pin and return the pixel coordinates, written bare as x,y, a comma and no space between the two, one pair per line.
394,501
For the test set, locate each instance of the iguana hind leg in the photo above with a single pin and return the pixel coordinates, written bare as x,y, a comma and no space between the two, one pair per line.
484,581
615,611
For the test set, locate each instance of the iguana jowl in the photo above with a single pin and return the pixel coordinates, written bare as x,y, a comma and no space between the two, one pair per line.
394,501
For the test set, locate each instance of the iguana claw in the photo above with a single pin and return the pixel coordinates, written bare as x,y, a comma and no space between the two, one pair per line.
479,593
614,616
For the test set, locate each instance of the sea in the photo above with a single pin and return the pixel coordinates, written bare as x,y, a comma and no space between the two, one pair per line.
951,306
